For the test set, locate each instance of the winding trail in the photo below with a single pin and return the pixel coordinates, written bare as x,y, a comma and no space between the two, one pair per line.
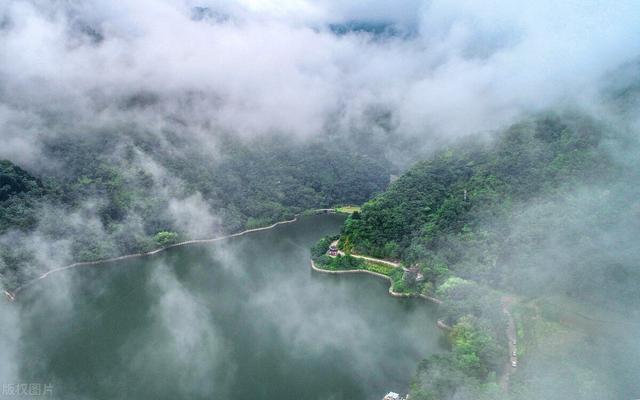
375,260
507,301
11,296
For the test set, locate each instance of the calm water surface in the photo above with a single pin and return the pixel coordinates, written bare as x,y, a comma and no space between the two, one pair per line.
241,319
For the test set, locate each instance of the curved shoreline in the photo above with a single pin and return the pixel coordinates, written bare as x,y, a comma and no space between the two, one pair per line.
364,271
11,296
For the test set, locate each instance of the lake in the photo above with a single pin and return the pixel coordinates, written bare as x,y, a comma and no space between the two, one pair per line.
241,319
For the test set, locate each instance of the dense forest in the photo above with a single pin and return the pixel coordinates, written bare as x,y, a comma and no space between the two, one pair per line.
525,214
106,194
471,185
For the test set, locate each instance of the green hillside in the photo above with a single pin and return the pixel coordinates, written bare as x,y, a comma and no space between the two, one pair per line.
469,185
534,212
107,194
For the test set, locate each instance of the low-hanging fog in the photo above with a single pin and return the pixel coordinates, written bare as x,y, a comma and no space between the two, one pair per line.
251,68
395,80
187,321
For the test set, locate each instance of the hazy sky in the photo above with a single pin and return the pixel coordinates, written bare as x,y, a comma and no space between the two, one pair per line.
255,67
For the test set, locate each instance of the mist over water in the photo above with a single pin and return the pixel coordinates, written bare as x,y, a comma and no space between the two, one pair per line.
152,83
245,319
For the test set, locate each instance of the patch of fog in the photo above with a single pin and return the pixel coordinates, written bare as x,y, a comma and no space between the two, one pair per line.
181,341
192,215
313,322
9,343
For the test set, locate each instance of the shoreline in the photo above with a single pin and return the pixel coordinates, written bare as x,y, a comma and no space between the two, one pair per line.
11,295
364,271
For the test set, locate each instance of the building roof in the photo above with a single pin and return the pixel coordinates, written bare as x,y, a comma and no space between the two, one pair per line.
392,396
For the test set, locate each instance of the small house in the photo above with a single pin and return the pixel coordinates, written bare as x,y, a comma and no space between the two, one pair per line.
333,250
413,274
392,396
415,271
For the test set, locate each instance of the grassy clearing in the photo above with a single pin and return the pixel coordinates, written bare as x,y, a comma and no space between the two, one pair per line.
379,268
347,209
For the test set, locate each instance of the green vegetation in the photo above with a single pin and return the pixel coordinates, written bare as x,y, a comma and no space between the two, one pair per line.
346,262
439,376
19,191
476,353
106,194
457,217
164,238
321,247
348,209
379,268
452,199
399,285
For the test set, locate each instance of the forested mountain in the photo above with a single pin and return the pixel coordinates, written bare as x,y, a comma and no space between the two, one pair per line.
468,186
18,190
104,195
542,210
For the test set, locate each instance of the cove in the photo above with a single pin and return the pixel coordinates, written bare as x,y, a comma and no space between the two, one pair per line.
244,318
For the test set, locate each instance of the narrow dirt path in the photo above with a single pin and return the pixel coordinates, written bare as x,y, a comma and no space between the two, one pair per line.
507,301
375,260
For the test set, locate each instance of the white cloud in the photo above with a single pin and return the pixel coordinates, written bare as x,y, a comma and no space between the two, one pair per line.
274,66
192,215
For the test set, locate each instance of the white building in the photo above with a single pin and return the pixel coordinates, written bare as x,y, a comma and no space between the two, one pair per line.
396,396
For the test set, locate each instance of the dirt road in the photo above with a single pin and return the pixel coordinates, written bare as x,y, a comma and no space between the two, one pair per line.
507,301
